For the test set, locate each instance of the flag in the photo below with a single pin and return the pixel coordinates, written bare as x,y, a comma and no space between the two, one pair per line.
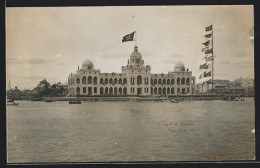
204,66
208,35
207,81
128,37
204,49
206,43
209,28
210,58
210,51
207,74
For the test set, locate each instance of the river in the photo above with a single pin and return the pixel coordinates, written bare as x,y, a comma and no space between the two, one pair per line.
130,131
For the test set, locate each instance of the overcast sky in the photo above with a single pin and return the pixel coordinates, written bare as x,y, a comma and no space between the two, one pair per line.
51,42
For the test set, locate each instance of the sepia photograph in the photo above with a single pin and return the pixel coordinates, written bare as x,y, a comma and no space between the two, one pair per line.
130,84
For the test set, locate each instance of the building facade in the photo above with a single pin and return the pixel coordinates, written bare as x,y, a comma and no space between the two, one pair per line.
135,79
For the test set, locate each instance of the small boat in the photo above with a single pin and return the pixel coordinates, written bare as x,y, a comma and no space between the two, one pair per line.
48,100
10,100
12,103
175,101
75,102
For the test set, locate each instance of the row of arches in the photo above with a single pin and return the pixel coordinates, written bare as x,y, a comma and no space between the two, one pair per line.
180,81
88,80
113,81
113,91
106,91
163,91
140,80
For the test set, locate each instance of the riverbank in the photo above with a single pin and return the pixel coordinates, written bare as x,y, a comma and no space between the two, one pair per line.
128,98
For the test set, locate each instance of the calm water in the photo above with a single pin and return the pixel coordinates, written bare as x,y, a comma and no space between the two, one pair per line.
130,131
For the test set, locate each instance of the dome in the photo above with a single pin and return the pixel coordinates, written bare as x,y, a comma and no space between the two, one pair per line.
136,55
87,64
179,67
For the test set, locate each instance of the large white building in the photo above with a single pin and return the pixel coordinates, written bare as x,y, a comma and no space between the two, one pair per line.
135,79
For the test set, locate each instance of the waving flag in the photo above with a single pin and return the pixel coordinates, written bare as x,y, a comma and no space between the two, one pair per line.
206,43
209,28
128,37
208,35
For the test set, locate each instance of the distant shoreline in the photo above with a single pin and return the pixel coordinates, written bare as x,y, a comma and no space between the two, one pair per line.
128,98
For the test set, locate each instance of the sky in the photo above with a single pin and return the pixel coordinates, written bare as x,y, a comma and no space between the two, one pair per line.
51,42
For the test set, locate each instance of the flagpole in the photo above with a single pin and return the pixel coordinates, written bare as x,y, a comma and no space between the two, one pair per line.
135,38
212,62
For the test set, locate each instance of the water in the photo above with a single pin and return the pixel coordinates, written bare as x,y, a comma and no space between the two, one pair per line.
130,131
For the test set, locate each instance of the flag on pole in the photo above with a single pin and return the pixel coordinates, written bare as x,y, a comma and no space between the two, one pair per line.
204,66
210,51
204,49
209,28
207,74
206,43
208,35
128,37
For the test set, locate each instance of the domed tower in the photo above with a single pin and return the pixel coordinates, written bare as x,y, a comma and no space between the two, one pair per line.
138,74
136,56
87,65
179,67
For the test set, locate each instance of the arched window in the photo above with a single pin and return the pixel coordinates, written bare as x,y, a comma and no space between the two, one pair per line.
115,81
115,91
164,81
110,81
159,81
120,81
77,81
101,90
120,91
124,81
106,81
164,91
168,91
183,81
111,90
89,80
106,90
139,80
125,91
188,81
95,80
84,80
168,81
172,81
151,90
178,81
172,91
78,91
155,81
101,81
151,81
132,80
155,90
160,91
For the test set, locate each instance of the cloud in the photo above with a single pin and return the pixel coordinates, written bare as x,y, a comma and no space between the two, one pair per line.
38,61
28,60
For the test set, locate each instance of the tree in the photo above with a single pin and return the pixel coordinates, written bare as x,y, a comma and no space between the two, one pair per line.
43,88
